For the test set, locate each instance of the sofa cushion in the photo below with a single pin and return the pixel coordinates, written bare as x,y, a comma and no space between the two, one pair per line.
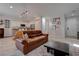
19,34
35,35
32,33
26,36
32,41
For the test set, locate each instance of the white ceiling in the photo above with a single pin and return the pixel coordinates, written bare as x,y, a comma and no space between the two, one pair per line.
37,9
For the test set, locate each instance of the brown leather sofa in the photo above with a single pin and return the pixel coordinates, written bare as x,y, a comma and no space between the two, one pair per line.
34,40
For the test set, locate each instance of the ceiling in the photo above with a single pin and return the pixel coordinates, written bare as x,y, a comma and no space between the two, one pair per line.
36,9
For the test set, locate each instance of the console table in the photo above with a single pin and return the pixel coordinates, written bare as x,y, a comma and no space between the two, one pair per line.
57,48
1,32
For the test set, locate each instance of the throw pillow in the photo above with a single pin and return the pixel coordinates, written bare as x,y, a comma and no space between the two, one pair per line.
25,36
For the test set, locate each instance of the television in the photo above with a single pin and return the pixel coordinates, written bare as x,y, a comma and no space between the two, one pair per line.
22,25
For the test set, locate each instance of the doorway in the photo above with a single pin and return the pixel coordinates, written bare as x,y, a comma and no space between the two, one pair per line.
71,27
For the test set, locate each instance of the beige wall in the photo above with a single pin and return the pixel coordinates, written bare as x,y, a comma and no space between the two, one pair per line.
2,26
60,32
15,23
37,23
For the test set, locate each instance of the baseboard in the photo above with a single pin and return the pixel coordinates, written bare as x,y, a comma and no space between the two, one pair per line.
7,36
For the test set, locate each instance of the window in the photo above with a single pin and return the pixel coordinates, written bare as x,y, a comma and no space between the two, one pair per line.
7,23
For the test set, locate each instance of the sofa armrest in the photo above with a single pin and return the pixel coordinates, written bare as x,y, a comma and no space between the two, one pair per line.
45,35
19,45
24,42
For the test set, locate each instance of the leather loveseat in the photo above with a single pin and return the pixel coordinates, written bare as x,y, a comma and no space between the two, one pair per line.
35,39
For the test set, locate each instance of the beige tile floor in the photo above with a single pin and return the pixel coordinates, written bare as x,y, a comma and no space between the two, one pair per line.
8,48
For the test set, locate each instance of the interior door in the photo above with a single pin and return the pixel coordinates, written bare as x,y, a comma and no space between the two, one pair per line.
71,27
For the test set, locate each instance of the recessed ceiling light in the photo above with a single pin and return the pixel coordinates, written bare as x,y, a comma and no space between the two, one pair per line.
72,14
11,6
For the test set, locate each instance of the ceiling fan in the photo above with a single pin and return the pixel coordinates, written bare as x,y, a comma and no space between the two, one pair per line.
24,13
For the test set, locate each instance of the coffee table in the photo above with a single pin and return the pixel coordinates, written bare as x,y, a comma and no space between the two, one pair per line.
57,48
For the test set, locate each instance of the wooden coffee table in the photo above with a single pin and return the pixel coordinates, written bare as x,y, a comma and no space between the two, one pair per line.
57,48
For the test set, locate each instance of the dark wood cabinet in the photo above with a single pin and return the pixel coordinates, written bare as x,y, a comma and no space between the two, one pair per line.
1,32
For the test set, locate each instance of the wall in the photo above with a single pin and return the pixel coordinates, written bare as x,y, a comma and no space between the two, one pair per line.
2,26
78,24
37,23
72,25
73,22
13,24
62,27
60,33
